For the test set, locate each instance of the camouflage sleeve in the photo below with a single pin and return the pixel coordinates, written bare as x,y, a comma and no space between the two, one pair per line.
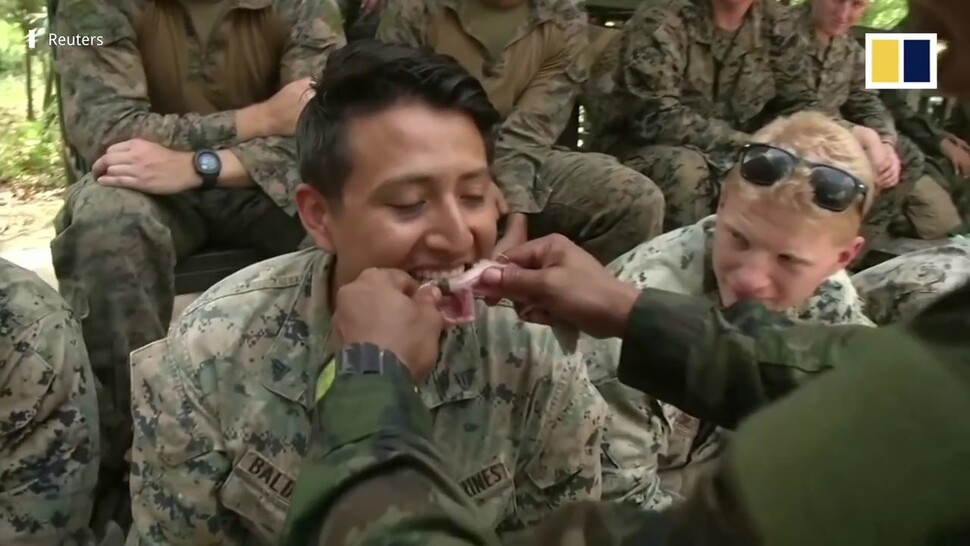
648,88
404,22
177,466
270,162
722,366
864,106
835,301
368,478
104,93
49,428
540,115
566,466
920,128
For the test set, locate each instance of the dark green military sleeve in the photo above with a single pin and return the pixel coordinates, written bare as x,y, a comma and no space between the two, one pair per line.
873,453
721,366
372,472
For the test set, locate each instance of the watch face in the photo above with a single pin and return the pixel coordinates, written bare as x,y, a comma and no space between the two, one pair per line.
209,163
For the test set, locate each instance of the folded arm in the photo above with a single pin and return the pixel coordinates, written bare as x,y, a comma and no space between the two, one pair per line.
104,93
270,162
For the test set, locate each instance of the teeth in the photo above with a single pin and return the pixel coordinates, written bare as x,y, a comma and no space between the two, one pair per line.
430,275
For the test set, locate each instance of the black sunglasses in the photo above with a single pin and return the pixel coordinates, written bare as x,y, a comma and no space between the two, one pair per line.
765,165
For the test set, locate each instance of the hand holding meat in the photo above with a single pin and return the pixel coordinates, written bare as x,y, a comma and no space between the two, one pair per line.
552,281
386,307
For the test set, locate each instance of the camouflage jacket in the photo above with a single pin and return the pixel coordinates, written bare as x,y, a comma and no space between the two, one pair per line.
398,490
49,439
109,91
683,82
533,84
222,411
680,261
838,73
900,288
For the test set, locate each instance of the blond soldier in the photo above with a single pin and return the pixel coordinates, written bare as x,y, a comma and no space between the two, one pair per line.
788,223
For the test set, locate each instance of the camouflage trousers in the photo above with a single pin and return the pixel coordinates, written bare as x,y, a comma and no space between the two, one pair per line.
928,212
598,203
688,183
114,255
898,289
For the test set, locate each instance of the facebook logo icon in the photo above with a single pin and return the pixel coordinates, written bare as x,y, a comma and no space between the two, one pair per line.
32,37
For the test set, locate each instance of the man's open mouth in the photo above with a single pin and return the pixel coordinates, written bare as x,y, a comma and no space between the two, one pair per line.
456,306
457,287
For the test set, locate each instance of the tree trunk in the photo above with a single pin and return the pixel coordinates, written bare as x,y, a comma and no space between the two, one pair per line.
28,62
48,83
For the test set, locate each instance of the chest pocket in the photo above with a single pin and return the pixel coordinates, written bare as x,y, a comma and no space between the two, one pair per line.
735,89
259,492
752,86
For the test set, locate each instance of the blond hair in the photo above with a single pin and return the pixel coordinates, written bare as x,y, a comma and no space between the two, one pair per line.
818,139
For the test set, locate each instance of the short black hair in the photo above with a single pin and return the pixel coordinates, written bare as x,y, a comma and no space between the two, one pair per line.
366,77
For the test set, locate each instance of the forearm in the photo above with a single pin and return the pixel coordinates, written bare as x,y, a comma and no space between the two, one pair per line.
722,366
395,483
528,134
667,121
270,164
233,174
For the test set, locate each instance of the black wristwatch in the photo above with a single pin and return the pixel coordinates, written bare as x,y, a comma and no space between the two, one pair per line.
367,358
208,165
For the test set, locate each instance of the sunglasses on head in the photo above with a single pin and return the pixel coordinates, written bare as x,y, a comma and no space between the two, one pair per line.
766,165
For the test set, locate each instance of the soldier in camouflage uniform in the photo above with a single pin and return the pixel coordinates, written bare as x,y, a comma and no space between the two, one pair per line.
49,440
929,211
171,80
531,58
772,244
837,68
689,93
392,149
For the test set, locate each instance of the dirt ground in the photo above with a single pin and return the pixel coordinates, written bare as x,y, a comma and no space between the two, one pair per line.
26,217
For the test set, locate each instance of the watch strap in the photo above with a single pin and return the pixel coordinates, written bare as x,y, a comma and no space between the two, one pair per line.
368,358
